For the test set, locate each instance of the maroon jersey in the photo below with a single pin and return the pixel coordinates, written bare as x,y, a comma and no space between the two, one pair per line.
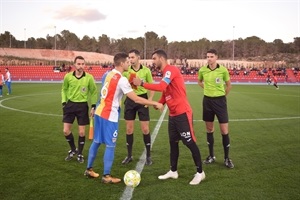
173,91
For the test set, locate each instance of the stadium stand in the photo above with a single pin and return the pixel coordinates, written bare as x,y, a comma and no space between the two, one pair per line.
48,73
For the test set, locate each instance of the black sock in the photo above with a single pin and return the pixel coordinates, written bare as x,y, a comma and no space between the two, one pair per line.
70,140
81,141
210,143
129,142
147,141
226,145
196,156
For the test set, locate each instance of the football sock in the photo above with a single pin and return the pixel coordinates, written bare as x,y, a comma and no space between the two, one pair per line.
147,141
129,142
226,145
196,156
174,149
70,140
92,154
81,141
108,160
210,143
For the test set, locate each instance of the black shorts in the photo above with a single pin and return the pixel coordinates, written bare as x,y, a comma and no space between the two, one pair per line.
131,108
215,106
181,128
80,110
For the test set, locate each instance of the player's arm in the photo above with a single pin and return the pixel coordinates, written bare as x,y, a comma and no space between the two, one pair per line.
227,82
64,90
149,79
152,86
228,87
200,83
143,101
200,79
94,95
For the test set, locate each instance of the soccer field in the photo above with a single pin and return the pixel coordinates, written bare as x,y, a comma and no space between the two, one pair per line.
265,147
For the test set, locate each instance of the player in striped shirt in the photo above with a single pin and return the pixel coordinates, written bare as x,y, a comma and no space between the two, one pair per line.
107,116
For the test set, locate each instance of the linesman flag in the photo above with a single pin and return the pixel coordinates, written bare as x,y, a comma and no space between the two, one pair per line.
91,131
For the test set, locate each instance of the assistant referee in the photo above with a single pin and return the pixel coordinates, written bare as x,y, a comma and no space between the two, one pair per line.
213,78
76,89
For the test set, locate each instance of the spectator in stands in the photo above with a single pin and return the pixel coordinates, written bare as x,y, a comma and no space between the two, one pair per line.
275,80
1,83
212,79
8,80
269,81
76,88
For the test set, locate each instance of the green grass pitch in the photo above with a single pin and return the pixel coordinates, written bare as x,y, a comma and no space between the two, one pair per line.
265,148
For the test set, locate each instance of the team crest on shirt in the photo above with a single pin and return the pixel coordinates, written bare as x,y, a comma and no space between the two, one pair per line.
83,89
218,80
168,74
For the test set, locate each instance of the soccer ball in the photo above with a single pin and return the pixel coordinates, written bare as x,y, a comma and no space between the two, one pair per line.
132,178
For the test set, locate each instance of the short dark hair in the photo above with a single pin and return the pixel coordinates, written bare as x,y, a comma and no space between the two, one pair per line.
213,51
161,53
120,57
135,51
78,57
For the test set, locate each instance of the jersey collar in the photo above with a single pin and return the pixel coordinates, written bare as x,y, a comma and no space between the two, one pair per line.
218,66
141,67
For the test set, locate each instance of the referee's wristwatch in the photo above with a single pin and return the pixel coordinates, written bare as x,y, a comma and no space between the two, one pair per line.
142,83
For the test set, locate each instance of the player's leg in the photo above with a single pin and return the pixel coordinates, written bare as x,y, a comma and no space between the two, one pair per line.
83,119
129,116
89,172
1,90
208,116
81,142
68,120
8,87
184,126
174,138
144,118
70,139
222,115
110,135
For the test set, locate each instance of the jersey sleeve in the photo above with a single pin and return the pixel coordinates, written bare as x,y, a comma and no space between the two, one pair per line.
93,90
200,75
226,75
149,78
125,85
165,81
64,89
